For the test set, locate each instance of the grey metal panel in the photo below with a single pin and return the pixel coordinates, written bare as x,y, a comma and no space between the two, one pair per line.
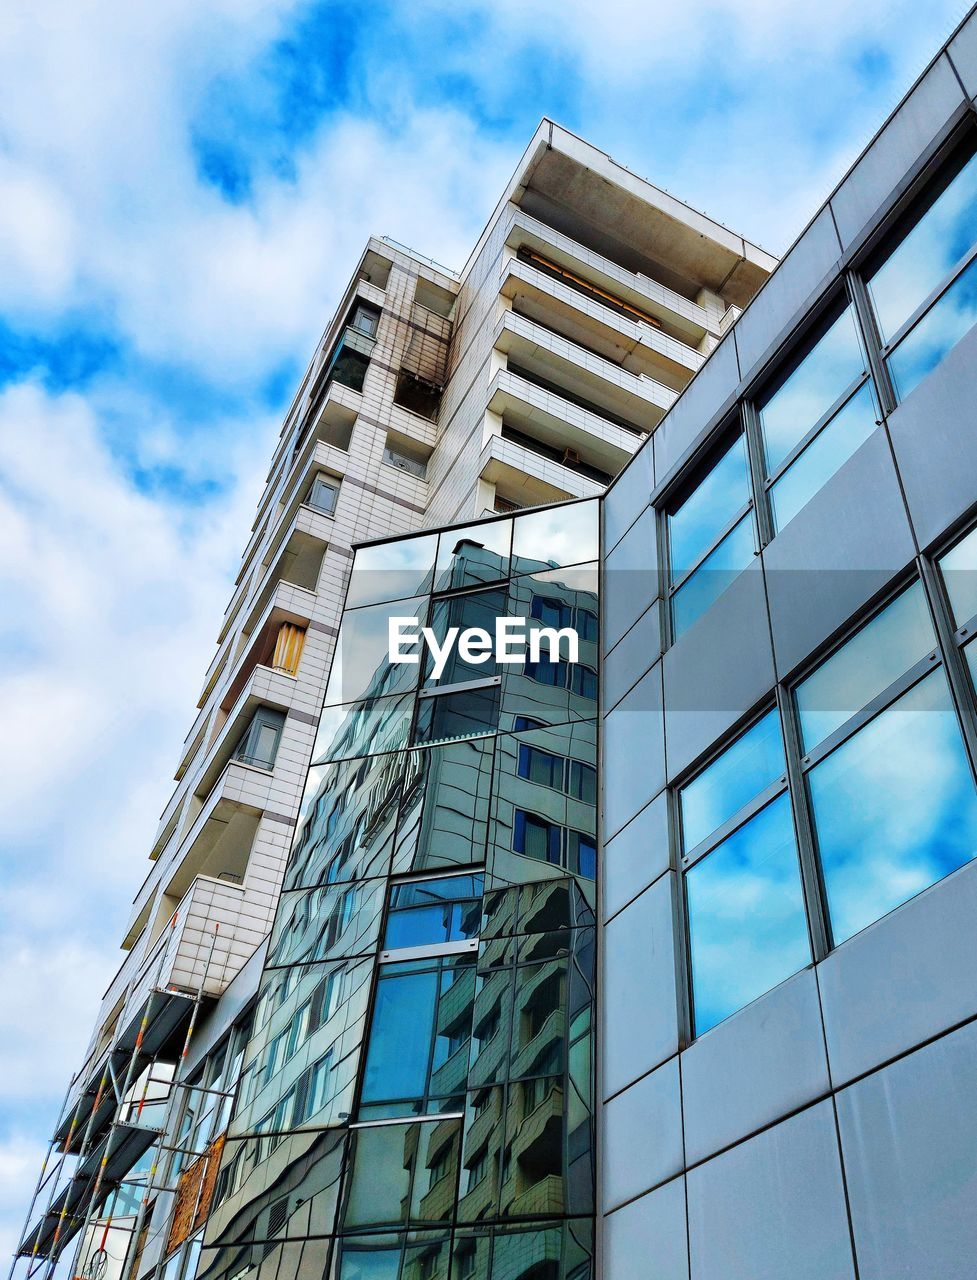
909,1138
639,974
642,1136
837,552
699,403
935,445
720,668
904,979
634,742
630,579
636,856
756,1067
783,296
628,495
901,143
963,54
631,657
648,1239
773,1207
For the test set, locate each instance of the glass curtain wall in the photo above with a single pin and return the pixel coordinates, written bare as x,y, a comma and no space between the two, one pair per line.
416,1095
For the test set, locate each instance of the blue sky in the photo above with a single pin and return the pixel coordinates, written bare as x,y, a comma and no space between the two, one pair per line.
185,189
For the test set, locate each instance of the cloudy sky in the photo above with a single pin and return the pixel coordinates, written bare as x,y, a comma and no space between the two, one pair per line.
184,188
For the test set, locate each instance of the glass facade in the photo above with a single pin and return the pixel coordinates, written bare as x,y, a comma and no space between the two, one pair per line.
416,1099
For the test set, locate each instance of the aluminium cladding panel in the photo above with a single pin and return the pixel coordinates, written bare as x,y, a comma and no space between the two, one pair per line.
774,1206
632,656
652,1229
642,1134
909,1138
903,140
765,1062
639,1003
718,670
839,551
635,857
634,752
802,274
910,976
935,444
963,54
629,495
630,578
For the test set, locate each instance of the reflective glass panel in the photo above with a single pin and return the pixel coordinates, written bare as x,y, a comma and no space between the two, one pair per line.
894,807
698,522
361,667
831,447
734,778
555,536
457,715
713,576
872,659
474,609
929,341
928,253
400,1034
478,553
829,368
747,925
959,569
432,912
392,571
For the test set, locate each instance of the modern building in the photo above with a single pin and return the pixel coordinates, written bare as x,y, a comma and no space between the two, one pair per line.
701,1006
530,377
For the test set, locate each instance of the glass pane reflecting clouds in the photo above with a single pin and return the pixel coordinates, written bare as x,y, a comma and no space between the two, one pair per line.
894,808
555,536
830,367
928,253
831,447
872,659
747,926
478,553
701,518
361,667
392,571
740,773
713,576
959,569
925,346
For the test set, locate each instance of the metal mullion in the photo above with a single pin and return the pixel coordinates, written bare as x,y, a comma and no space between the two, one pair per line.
891,694
812,881
739,819
954,663
789,459
763,528
871,341
721,537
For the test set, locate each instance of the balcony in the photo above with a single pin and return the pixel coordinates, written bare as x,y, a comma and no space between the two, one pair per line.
558,422
635,398
636,344
677,314
528,477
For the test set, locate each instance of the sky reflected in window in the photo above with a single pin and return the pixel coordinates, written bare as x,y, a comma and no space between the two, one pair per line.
894,808
701,518
926,345
733,779
747,925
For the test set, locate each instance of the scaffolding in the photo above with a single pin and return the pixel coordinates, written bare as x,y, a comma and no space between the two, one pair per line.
106,1126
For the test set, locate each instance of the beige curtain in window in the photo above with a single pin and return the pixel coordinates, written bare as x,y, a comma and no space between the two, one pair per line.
288,648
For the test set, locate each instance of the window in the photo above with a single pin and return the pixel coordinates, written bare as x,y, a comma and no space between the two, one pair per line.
409,1044
259,743
442,1163
582,782
551,612
958,568
365,319
478,1168
323,495
924,292
535,837
891,792
433,912
710,537
582,853
745,905
540,767
816,417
